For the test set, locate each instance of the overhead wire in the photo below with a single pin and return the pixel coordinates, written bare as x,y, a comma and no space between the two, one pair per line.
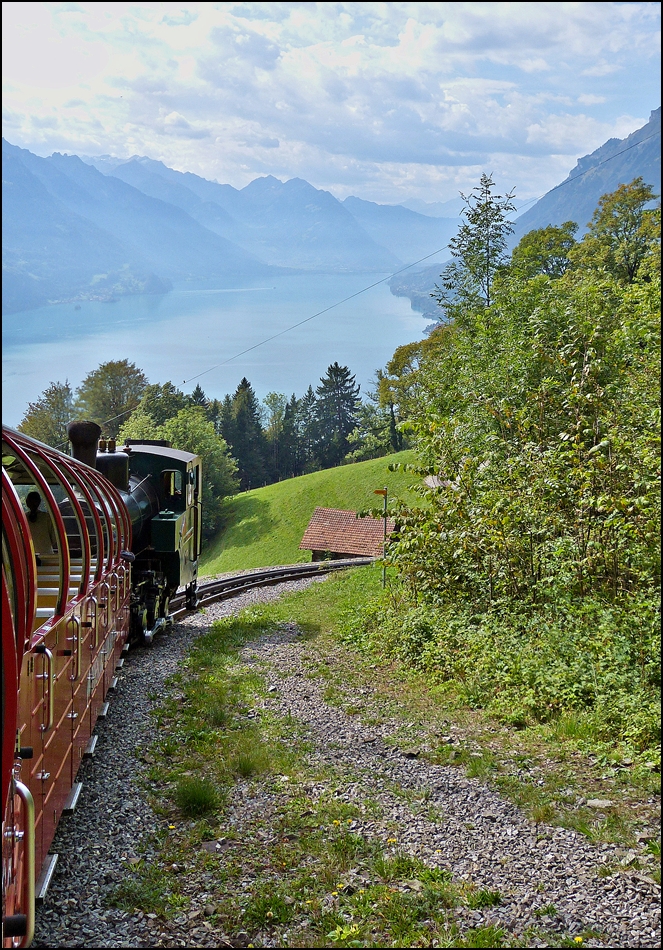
382,280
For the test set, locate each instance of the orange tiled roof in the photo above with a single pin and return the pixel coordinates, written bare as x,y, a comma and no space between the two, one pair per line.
332,529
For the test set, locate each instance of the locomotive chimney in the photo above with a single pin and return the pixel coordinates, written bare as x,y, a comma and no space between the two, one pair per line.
84,438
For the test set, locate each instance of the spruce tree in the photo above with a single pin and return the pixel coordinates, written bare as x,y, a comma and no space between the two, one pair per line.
336,412
248,443
307,430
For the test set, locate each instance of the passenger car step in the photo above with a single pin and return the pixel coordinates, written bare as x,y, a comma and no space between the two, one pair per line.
72,799
90,747
45,878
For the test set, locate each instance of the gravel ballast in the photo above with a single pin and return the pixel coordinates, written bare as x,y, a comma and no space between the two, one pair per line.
475,833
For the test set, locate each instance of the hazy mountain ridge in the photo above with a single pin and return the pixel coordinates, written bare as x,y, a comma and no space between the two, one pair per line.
70,232
575,199
287,224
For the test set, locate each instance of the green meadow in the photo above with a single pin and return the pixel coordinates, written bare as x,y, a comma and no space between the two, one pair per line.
264,526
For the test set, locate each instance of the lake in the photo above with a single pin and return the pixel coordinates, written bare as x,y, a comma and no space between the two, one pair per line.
184,333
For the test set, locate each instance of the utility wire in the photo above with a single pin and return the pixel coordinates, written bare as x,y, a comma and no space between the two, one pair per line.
407,267
313,316
381,281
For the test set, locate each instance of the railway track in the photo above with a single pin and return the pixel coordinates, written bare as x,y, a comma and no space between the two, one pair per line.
225,587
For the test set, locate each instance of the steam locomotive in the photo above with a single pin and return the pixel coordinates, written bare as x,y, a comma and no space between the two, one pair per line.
108,537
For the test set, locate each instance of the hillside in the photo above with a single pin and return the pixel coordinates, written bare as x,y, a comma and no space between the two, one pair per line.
265,525
406,233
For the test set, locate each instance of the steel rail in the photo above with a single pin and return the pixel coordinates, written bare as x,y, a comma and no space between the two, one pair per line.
224,588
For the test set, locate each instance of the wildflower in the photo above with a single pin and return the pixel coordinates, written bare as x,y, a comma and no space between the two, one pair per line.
335,822
171,827
308,902
269,913
334,893
391,841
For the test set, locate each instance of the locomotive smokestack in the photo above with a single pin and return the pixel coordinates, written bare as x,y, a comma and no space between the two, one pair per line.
84,438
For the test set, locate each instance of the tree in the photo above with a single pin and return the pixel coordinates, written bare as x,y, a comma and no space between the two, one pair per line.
307,430
109,393
198,397
191,431
162,402
479,249
619,238
247,438
376,433
275,405
544,251
290,456
139,425
336,413
47,418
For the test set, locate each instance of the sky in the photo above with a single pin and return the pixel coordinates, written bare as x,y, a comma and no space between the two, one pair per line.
386,101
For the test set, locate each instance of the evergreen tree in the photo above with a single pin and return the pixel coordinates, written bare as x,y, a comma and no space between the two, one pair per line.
307,430
247,438
214,414
336,412
198,397
275,404
47,418
109,394
291,461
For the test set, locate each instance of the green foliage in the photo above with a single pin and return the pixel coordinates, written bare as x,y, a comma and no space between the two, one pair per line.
190,431
242,430
336,414
109,393
544,251
526,666
622,234
531,577
47,418
478,249
161,403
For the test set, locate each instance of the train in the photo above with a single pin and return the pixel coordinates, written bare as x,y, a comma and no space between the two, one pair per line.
94,546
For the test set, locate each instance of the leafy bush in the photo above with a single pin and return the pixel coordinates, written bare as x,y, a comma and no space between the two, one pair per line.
530,578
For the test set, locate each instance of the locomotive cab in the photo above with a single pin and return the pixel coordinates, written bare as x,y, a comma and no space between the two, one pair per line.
168,545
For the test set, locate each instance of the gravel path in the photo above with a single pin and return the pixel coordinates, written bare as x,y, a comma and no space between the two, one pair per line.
113,818
473,832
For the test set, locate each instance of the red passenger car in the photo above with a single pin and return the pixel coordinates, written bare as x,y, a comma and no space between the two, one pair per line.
65,617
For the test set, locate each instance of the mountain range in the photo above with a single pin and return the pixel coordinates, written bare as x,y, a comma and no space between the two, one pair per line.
99,227
96,228
617,161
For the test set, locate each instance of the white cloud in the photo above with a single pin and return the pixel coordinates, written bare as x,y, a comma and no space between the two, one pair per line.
402,96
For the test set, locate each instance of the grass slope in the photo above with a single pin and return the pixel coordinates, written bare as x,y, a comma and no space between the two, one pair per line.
265,525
